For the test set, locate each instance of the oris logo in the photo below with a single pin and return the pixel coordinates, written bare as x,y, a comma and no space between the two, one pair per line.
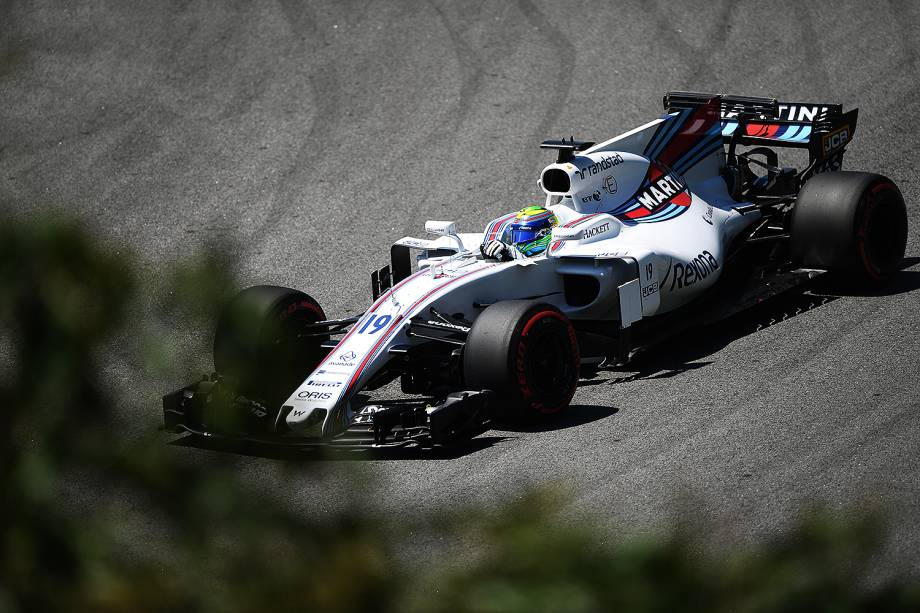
314,395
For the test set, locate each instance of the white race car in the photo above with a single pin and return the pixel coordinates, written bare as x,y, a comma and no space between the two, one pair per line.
667,225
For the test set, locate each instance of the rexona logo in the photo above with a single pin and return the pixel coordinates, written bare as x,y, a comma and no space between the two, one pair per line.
663,196
695,270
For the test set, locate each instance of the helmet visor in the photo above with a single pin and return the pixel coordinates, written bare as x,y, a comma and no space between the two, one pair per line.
525,235
534,247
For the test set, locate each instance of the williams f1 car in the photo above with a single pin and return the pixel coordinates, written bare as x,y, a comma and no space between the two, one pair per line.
682,221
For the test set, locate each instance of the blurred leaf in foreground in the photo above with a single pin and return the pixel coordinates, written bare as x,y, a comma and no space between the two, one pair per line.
65,299
534,561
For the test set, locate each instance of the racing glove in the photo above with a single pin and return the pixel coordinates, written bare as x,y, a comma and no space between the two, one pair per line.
496,250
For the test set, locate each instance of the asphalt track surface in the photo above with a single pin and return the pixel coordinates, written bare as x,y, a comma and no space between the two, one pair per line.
316,133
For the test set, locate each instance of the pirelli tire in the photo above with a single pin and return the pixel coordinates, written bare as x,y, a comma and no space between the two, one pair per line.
262,345
525,352
853,224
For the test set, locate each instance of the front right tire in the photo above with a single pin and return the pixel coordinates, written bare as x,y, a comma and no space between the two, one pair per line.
526,352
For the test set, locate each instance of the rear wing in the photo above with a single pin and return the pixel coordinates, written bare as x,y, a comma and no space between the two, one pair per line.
823,129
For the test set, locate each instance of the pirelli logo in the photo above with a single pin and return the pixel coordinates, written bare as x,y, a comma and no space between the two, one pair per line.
835,140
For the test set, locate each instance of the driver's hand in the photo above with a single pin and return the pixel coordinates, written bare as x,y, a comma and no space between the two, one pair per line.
495,250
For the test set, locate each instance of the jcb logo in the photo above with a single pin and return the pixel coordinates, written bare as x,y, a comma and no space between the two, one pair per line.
836,139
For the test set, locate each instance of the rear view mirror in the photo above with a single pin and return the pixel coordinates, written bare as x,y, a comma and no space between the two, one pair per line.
441,228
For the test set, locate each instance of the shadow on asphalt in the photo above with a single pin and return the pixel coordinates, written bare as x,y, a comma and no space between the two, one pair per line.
685,352
688,350
656,369
337,454
903,282
575,415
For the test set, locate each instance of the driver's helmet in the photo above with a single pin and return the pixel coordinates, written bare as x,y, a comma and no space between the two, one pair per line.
530,230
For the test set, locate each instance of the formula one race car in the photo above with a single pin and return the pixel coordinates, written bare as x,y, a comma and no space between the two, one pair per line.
682,221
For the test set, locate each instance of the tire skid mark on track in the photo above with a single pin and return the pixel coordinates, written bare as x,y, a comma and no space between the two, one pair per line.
471,91
813,50
324,84
711,46
470,65
854,82
564,58
907,29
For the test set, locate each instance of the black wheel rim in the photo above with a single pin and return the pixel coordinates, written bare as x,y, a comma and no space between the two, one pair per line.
550,368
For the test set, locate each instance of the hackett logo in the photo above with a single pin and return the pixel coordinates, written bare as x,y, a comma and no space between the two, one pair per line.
597,230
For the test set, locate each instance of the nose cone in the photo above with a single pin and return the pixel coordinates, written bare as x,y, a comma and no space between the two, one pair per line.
305,421
310,422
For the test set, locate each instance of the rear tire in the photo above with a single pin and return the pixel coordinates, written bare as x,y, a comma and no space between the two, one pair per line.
258,343
853,224
526,352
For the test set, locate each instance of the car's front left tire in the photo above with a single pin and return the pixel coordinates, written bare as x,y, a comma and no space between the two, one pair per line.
263,343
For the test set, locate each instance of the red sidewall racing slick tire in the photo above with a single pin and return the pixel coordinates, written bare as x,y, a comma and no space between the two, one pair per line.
261,343
853,224
526,352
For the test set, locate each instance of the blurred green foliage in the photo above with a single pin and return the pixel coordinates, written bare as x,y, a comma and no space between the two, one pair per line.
536,562
65,302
